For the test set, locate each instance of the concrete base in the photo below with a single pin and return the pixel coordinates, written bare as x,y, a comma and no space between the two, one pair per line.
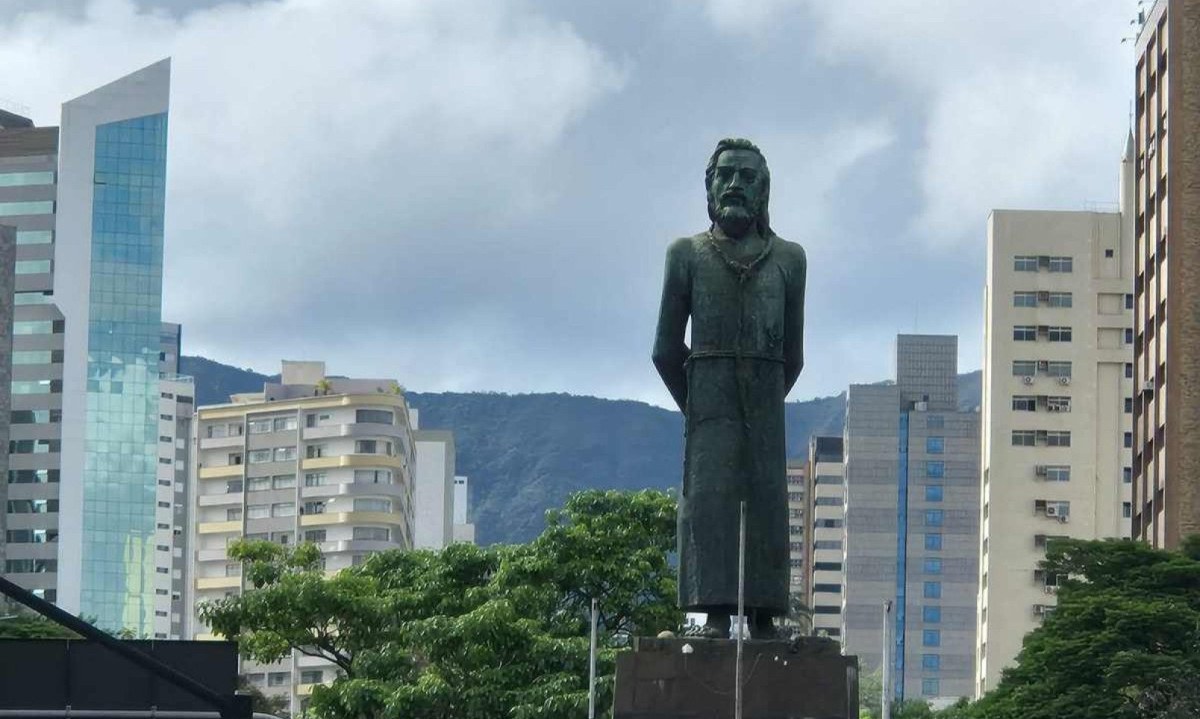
694,678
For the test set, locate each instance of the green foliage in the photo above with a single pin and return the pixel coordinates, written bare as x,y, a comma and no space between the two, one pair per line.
870,694
17,622
1124,641
912,709
276,705
468,632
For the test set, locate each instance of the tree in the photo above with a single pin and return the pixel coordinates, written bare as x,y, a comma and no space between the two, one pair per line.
261,703
468,632
17,622
870,694
1123,642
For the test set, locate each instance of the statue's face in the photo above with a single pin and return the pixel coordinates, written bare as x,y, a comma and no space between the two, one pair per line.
737,190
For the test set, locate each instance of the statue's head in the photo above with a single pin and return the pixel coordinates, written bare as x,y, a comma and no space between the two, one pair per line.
739,186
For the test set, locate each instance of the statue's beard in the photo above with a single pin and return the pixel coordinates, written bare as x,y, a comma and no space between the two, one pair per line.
734,220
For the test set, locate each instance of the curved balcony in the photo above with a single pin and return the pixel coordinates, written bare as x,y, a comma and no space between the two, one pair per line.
358,429
354,489
228,470
358,545
361,461
318,520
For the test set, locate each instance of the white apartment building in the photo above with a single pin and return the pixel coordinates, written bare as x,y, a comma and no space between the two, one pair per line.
826,507
797,530
1057,403
317,459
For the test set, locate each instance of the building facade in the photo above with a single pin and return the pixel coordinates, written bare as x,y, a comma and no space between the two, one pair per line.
310,458
825,536
797,530
1166,421
8,258
912,523
433,493
464,528
1057,409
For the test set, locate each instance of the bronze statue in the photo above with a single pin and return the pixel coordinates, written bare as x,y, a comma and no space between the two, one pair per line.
742,287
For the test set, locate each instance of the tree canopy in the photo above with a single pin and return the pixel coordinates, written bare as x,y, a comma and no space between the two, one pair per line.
1123,642
467,632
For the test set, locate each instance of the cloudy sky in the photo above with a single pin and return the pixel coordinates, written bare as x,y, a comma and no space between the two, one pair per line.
477,194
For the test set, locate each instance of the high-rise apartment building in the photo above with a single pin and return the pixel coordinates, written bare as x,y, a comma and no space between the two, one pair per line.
464,528
8,258
797,528
825,536
310,458
912,522
176,407
1166,411
1058,398
433,492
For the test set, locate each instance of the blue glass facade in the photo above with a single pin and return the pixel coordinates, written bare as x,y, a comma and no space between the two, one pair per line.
125,308
901,558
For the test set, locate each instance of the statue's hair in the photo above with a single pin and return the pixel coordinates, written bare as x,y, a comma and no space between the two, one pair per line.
737,143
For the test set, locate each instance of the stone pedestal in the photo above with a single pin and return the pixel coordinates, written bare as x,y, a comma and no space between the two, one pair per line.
694,678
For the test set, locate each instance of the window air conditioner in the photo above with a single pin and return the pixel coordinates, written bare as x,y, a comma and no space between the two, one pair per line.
1040,470
1050,589
1052,510
1027,379
1064,380
1039,609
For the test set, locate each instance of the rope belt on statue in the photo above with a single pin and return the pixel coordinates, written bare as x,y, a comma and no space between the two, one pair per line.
734,354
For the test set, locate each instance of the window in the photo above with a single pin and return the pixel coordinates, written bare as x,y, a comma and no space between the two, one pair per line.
233,569
933,493
933,542
828,588
38,327
374,416
934,517
34,237
313,508
315,479
167,417
933,590
1058,369
315,451
1061,264
372,534
1058,473
314,535
1127,475
828,502
1129,301
258,511
31,565
1059,334
935,468
285,454
828,523
31,536
283,509
1025,263
1060,299
1126,510
827,566
282,537
21,179
32,506
10,209
283,424
33,267
931,615
311,676
1024,403
32,476
258,484
258,426
1128,335
37,386
258,456
933,566
827,544
1128,405
373,476
1024,438
935,421
1024,368
278,679
829,479
33,446
233,514
930,687
1129,439
931,638
366,446
935,445
283,481
1024,299
931,661
1128,370
1025,333
1058,404
1058,439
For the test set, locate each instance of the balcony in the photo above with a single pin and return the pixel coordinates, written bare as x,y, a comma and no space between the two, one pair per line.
317,520
219,527
218,582
221,442
217,500
352,460
364,429
228,470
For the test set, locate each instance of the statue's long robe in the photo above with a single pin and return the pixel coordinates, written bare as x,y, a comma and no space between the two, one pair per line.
747,351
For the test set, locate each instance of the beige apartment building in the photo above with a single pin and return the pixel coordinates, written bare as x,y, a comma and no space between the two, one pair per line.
310,458
797,529
1058,394
1166,412
825,501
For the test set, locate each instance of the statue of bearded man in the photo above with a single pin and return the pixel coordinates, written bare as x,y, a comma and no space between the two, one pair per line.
742,288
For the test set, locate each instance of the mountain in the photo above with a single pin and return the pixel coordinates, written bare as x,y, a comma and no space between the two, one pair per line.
525,453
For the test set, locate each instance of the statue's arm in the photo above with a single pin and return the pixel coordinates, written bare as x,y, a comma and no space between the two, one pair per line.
793,349
670,352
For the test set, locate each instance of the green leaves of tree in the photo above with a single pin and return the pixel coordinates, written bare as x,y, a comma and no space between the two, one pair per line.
468,632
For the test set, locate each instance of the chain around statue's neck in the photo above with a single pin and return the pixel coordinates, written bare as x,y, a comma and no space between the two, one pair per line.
743,269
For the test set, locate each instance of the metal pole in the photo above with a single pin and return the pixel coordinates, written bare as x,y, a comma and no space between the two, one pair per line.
885,704
592,663
737,688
